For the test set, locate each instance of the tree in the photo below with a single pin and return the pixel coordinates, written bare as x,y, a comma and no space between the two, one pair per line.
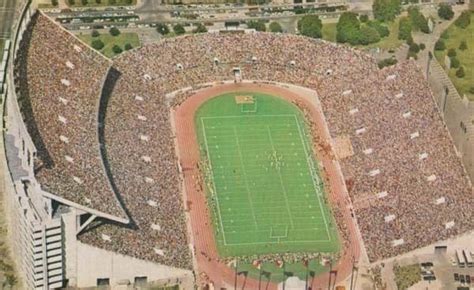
112,2
200,28
471,90
451,52
454,62
258,25
463,45
445,35
348,28
415,48
98,1
114,31
387,62
310,25
54,2
11,279
404,28
275,27
84,2
381,29
460,72
422,46
129,2
71,2
463,20
299,10
162,28
179,29
445,11
386,10
439,45
117,49
95,33
97,44
418,20
368,35
364,18
127,46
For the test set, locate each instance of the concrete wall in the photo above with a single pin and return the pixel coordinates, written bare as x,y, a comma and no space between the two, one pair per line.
458,113
94,263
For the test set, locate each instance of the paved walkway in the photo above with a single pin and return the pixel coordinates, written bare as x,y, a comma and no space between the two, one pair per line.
430,39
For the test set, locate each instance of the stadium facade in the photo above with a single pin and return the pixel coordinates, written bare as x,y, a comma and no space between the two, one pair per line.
44,226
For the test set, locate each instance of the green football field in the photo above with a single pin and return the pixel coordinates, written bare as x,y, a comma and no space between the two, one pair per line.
263,181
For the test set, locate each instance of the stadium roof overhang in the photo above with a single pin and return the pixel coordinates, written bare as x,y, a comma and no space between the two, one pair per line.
92,211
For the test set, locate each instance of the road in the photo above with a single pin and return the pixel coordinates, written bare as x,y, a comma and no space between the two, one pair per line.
151,11
7,11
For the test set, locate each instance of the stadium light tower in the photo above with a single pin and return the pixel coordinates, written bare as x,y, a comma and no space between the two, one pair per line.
354,268
330,273
236,273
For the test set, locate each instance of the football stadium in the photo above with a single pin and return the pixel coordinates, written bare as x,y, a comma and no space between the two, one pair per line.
219,160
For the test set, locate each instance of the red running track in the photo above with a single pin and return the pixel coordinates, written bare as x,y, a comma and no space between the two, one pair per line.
210,268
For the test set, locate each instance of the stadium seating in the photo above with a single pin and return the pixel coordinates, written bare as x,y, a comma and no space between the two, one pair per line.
407,185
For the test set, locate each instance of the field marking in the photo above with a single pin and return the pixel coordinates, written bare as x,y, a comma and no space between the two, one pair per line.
316,190
281,180
311,167
276,242
213,184
249,116
245,178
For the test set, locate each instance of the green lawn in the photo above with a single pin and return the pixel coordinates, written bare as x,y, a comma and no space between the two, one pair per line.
466,57
389,42
329,31
6,264
262,179
110,41
407,276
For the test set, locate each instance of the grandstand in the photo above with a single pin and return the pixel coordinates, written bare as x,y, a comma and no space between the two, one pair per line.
94,172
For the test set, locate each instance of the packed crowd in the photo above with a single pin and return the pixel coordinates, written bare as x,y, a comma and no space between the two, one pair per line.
138,134
379,110
59,81
406,182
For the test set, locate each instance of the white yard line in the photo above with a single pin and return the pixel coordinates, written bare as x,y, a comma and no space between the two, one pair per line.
310,165
249,116
245,178
281,181
313,179
213,184
276,242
